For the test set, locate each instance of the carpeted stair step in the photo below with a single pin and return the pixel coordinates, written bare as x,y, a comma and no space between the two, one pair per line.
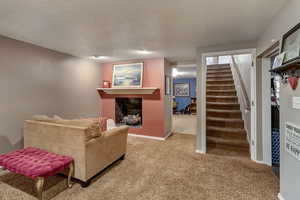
218,71
224,122
218,67
220,87
224,106
235,144
219,76
221,92
219,81
227,99
237,114
226,133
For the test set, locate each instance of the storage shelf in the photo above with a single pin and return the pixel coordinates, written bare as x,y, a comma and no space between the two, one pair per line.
294,65
133,91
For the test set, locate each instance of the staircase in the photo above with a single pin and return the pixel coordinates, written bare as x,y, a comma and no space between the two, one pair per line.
224,123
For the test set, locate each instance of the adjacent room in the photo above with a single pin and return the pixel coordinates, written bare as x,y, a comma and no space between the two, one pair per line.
184,98
149,100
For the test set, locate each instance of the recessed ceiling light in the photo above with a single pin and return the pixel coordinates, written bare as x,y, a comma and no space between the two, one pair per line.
144,52
98,57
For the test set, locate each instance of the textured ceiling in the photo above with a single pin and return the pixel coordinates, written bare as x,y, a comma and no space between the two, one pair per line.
118,28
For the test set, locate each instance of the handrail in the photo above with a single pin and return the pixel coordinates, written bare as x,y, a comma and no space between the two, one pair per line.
243,98
243,88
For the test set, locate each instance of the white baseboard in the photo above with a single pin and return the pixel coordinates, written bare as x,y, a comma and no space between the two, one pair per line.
280,197
151,137
199,151
260,162
168,135
147,137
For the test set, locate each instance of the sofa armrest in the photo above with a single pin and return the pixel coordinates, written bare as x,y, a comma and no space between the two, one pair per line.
104,150
66,140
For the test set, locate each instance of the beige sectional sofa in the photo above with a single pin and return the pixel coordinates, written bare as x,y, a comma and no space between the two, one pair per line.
91,153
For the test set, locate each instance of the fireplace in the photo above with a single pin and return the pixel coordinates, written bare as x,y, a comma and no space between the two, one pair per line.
128,111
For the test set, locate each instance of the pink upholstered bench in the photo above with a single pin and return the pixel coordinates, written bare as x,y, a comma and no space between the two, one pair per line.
37,164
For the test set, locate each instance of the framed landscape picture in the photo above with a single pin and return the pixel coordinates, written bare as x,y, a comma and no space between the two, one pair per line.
182,90
291,44
128,75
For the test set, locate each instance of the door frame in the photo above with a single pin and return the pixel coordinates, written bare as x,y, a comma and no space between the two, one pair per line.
265,60
201,95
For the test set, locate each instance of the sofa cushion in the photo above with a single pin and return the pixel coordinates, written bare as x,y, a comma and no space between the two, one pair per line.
43,118
93,127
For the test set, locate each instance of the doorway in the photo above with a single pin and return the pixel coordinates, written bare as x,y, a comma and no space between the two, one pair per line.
184,99
270,83
202,75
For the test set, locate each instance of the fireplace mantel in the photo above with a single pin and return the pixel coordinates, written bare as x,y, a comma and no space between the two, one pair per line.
131,91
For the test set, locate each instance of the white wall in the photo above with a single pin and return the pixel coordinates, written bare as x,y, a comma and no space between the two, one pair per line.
285,19
35,80
243,63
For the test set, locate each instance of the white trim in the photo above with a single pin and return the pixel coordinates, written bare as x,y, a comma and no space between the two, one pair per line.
199,151
202,97
150,137
259,162
253,100
280,197
201,106
228,53
168,135
266,111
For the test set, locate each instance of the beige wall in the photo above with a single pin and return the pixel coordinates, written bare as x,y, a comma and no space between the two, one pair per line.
35,80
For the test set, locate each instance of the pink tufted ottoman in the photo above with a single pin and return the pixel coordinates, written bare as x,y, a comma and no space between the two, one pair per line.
37,164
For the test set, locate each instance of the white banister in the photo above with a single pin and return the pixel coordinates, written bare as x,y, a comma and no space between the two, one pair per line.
242,96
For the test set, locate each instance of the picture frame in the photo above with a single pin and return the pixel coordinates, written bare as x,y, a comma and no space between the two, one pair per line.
291,44
168,89
106,84
182,89
278,60
128,75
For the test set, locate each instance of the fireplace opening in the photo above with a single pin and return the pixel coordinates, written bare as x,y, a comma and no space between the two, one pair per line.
129,112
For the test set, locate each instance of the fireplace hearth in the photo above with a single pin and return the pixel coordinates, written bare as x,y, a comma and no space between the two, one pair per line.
129,112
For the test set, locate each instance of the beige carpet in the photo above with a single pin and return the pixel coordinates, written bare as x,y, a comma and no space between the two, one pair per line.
159,170
185,124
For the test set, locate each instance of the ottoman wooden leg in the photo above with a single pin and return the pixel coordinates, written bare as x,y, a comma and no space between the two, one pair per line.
2,168
71,173
40,187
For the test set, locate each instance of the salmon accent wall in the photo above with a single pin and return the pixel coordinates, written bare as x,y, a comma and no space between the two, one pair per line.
153,105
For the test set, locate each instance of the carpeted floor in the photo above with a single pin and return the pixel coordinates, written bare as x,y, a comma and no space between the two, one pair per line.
160,170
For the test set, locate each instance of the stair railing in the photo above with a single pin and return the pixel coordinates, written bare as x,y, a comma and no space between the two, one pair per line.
242,97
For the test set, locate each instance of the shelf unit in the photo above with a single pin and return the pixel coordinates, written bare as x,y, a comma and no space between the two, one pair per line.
128,91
